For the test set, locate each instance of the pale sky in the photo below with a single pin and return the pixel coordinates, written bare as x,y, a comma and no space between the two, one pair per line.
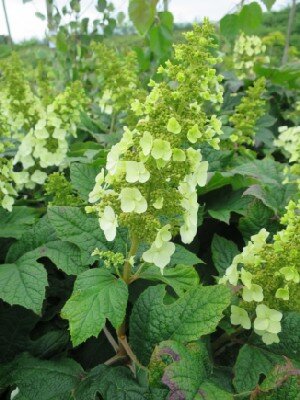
25,25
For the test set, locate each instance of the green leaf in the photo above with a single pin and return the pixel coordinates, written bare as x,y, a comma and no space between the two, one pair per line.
13,224
251,363
221,207
16,325
35,236
43,379
210,391
218,180
229,25
114,383
175,362
142,14
97,295
256,217
265,171
161,35
223,252
274,197
195,314
184,256
65,255
181,277
288,77
83,178
50,344
72,225
289,343
24,283
250,17
75,5
41,241
269,4
40,16
101,5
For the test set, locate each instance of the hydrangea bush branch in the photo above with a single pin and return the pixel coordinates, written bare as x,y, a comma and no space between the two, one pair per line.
149,183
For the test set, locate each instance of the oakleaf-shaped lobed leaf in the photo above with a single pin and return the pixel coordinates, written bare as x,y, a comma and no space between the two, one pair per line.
185,371
251,363
97,295
195,314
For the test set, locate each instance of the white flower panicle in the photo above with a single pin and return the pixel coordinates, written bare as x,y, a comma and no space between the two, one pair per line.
247,51
151,176
47,142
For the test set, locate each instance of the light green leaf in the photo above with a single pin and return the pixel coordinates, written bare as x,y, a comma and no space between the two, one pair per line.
181,277
13,224
142,14
83,178
24,283
195,314
250,17
161,35
97,296
229,25
223,252
269,4
251,363
40,16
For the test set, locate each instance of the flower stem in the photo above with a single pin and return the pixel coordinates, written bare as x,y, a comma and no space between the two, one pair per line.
127,265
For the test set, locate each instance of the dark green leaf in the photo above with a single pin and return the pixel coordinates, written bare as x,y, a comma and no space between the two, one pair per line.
223,252
222,206
47,380
83,178
13,224
256,217
195,314
251,363
24,283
